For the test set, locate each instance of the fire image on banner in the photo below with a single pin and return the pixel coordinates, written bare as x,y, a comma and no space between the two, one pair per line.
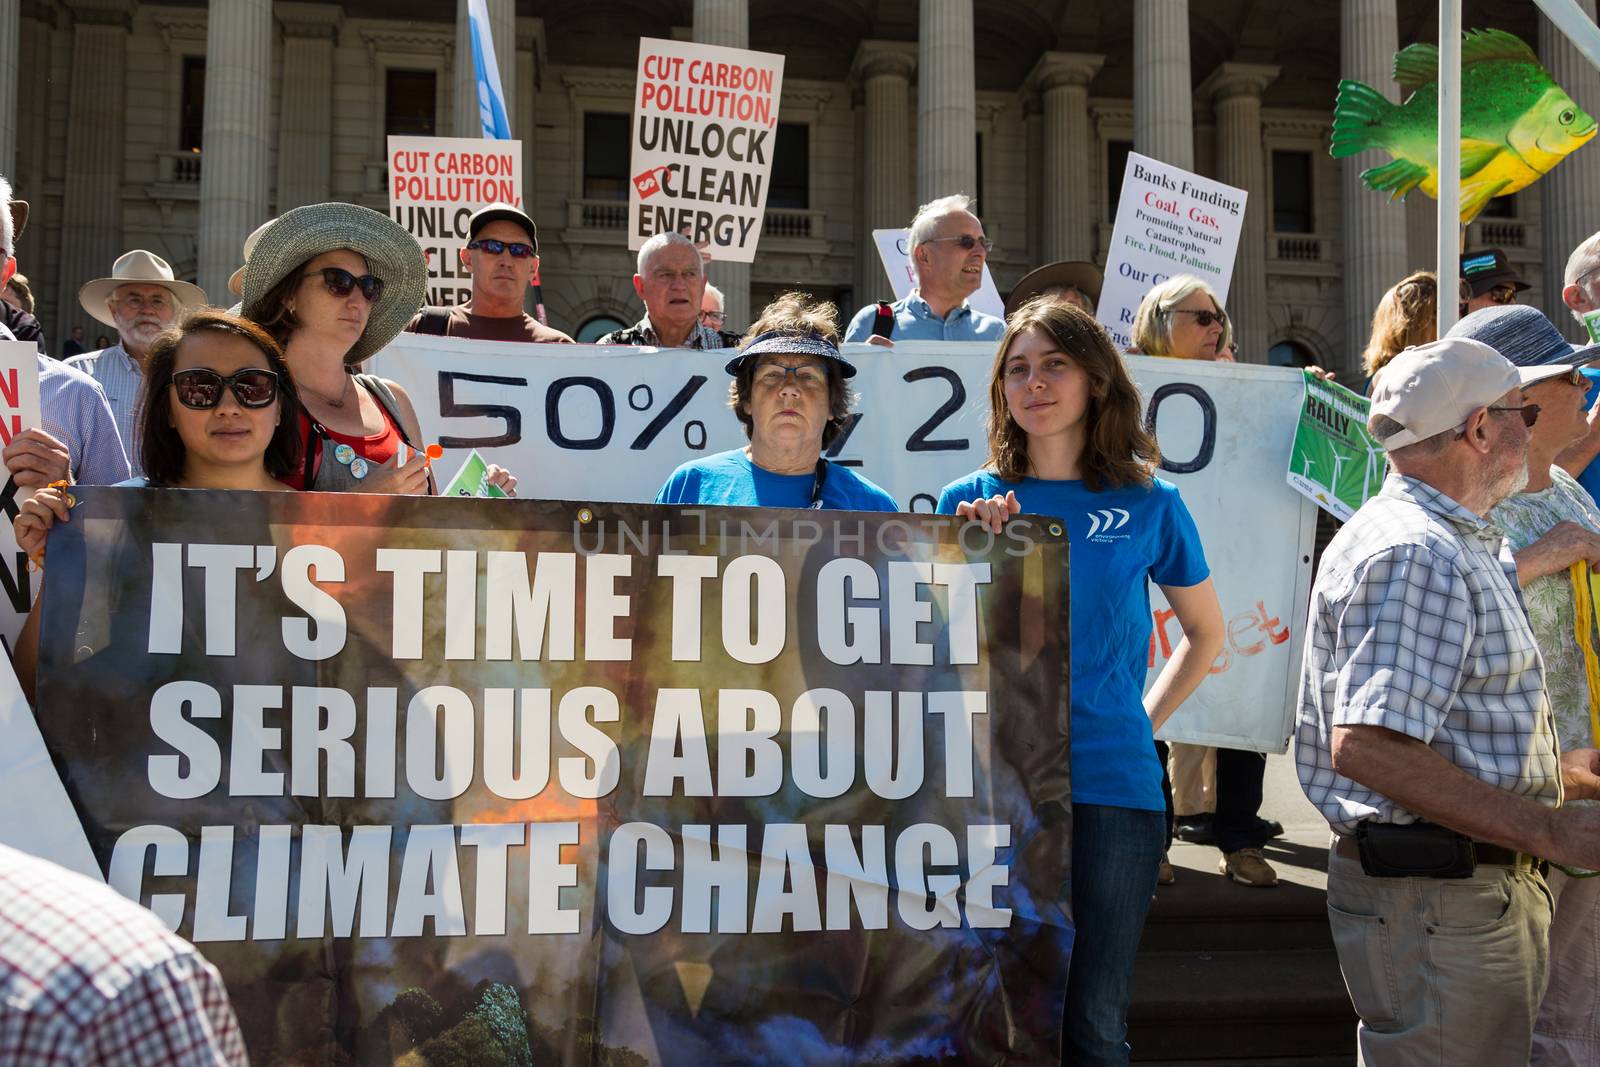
516,781
705,122
435,184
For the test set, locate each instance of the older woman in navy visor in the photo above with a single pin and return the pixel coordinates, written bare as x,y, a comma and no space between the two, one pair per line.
789,391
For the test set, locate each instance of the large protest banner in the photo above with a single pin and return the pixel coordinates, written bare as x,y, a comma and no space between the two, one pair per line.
704,127
580,422
536,782
1169,222
19,411
435,184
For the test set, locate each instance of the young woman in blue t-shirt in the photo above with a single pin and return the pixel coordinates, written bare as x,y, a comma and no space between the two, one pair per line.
1066,439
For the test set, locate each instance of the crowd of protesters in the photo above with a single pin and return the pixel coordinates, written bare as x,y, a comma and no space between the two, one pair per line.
1445,707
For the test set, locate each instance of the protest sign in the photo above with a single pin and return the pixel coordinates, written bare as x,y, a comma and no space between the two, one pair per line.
472,479
894,249
581,423
435,184
705,122
36,815
540,782
1334,460
19,411
1169,222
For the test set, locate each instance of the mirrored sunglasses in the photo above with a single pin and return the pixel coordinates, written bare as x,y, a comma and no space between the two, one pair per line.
201,389
518,249
340,281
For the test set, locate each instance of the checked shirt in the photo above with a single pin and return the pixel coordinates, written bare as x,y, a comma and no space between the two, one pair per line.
88,978
1417,625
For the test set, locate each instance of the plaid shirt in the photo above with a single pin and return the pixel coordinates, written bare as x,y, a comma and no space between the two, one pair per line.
1417,625
644,334
88,978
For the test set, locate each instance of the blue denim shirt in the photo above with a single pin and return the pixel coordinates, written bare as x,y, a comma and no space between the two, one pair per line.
914,320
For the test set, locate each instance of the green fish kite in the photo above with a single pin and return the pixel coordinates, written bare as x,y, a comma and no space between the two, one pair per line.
1516,123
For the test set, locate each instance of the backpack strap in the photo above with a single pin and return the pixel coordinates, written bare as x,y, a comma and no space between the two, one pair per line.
434,321
883,322
391,407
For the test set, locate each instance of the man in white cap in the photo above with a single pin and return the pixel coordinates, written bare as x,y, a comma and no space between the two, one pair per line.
502,255
141,298
1424,732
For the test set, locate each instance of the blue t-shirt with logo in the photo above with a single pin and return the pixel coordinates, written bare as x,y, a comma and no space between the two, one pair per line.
731,478
1119,540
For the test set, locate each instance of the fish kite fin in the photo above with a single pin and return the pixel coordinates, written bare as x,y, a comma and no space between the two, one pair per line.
1416,65
1478,198
1480,46
1397,178
1360,114
1475,155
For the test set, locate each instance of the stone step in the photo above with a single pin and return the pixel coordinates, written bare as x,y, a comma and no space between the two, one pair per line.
1342,1060
1238,1004
1206,910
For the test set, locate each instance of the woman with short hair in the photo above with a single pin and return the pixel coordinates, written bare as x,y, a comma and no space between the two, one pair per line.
789,392
1067,439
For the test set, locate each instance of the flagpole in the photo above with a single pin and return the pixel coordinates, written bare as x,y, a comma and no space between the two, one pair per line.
1449,249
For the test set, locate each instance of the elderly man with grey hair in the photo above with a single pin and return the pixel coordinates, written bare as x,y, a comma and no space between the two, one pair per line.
947,249
672,283
1580,291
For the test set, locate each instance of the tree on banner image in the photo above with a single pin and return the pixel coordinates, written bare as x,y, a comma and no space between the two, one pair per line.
491,98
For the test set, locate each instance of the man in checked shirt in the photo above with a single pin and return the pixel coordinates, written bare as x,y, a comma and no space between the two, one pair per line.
1424,731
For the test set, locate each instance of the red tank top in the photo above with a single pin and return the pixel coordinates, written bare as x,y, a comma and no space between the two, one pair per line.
374,449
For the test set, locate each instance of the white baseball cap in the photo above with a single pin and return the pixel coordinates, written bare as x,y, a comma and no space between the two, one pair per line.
1431,388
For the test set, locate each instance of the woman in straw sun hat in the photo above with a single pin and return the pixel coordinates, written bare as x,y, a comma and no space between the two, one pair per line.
334,284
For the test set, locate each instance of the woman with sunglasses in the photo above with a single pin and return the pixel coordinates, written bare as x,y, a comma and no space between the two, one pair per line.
1067,439
216,413
334,284
1182,318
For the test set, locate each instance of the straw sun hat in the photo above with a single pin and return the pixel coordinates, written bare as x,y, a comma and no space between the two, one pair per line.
301,235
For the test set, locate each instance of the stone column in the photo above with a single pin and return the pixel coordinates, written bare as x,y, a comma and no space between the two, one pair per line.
10,42
883,71
305,117
1236,90
1163,92
1374,230
33,132
503,27
1572,189
727,23
947,102
1062,79
91,187
236,141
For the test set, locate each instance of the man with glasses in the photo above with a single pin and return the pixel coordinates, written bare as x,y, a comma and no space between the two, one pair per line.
948,250
141,298
1424,733
1488,280
713,313
502,256
672,283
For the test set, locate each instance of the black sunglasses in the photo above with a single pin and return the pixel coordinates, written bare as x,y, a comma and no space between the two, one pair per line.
201,389
340,281
518,249
1529,412
966,241
1204,318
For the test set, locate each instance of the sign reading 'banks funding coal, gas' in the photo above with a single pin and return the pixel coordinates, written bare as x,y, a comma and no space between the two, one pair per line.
705,125
1169,222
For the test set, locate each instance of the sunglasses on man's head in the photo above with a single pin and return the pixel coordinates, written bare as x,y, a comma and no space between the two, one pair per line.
518,249
340,281
201,389
1204,318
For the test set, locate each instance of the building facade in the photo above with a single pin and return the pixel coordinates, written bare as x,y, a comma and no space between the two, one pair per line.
179,127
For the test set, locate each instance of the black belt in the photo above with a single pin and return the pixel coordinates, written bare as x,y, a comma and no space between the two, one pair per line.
1485,853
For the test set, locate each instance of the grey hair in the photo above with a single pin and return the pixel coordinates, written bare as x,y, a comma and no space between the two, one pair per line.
928,215
665,239
711,290
1152,325
1584,260
8,233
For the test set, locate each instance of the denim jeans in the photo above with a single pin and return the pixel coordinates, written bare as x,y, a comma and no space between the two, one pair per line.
1114,856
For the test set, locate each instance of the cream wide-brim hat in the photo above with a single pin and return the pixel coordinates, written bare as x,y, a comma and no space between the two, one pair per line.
138,267
299,236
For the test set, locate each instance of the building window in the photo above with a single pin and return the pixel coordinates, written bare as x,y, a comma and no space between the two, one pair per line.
410,103
1500,207
192,110
791,168
594,329
1290,354
1116,166
1291,193
605,156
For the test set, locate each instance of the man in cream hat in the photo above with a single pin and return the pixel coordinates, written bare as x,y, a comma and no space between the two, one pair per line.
1424,731
140,298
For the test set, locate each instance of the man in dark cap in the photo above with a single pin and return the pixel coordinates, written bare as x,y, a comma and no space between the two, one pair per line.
502,256
1488,279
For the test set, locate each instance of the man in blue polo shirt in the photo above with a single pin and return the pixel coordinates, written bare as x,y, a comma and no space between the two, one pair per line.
948,251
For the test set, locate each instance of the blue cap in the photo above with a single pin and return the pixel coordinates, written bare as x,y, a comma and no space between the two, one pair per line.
789,343
1523,335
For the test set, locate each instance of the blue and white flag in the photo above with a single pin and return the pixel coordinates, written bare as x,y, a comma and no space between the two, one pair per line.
491,98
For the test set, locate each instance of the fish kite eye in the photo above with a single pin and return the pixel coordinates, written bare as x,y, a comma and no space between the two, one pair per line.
1567,116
